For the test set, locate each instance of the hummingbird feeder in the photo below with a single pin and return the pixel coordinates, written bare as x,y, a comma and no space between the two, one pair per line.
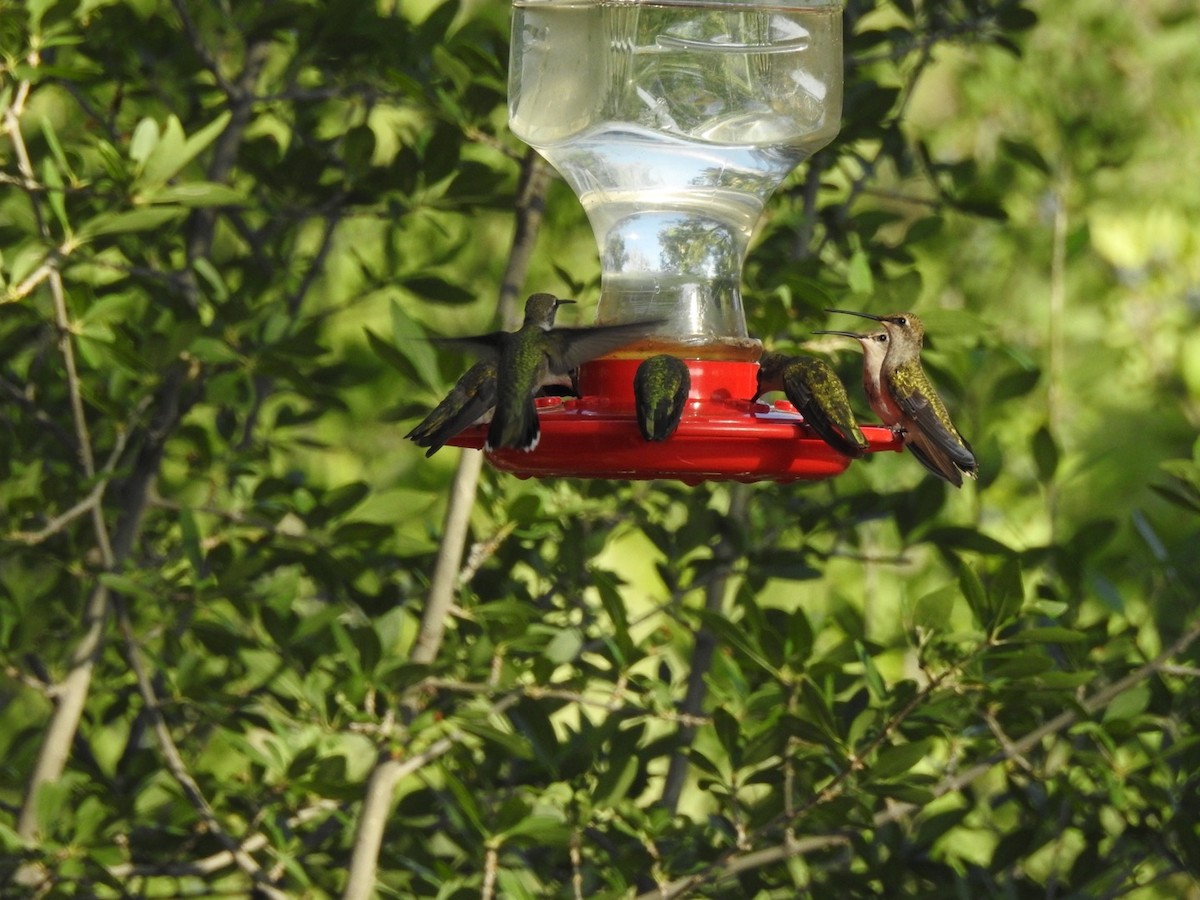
674,122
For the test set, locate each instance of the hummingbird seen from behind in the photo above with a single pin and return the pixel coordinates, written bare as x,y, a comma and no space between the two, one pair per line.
534,355
660,390
814,389
923,422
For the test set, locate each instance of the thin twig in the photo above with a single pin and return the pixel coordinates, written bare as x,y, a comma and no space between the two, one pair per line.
223,859
87,505
178,768
491,865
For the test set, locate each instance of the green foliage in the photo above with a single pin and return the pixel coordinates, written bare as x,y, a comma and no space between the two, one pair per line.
225,233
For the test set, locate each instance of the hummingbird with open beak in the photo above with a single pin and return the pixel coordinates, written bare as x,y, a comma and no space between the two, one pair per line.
660,389
812,386
907,394
534,355
874,346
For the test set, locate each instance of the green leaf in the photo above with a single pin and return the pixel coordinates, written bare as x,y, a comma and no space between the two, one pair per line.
411,341
791,565
531,719
1045,453
564,646
144,140
1006,589
1128,704
191,538
870,673
127,586
438,289
959,538
147,218
976,596
55,195
729,634
174,150
818,709
503,740
616,779
898,759
545,828
728,730
858,274
195,194
932,611
341,500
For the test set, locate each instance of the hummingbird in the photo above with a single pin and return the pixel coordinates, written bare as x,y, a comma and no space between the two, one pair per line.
814,389
534,355
874,345
907,395
661,387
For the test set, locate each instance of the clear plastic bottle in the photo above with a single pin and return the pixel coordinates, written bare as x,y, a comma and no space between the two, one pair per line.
674,122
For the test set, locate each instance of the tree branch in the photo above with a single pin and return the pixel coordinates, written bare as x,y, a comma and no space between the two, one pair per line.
530,203
381,786
724,553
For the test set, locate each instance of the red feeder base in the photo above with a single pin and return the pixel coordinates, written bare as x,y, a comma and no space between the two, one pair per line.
721,437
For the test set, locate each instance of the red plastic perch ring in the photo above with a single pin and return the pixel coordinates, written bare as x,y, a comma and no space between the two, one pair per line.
722,436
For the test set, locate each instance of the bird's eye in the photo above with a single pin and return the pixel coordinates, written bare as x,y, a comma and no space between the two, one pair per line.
901,321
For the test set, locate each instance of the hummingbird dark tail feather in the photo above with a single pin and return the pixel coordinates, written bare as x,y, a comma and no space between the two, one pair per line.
937,463
519,432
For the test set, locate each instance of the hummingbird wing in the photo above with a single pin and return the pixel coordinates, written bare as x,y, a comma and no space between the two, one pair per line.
917,399
485,346
471,398
814,389
571,347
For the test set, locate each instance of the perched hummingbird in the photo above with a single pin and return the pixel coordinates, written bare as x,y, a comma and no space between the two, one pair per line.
660,387
534,355
907,395
814,389
470,400
874,345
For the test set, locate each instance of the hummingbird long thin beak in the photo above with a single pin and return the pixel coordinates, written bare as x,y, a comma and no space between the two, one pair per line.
850,334
850,312
561,302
